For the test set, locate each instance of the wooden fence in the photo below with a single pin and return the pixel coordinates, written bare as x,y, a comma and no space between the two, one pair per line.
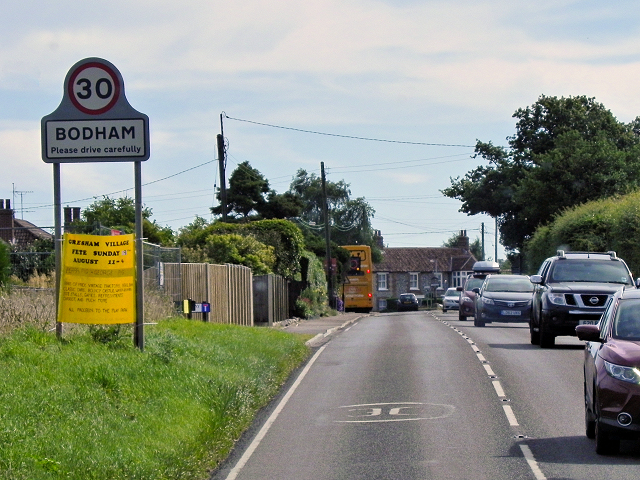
227,288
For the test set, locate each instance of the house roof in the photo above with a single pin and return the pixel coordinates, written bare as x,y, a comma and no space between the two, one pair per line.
26,232
425,259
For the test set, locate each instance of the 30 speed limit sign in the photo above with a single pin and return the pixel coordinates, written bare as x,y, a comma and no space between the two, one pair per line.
94,88
94,121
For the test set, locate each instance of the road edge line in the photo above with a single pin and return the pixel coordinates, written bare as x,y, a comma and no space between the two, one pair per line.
272,418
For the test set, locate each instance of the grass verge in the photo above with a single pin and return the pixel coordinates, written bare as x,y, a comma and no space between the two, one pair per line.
93,407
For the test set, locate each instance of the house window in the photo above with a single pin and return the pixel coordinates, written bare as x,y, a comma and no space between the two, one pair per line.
459,278
413,281
383,281
382,304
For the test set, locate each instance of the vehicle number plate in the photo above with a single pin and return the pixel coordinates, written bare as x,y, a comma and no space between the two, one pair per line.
587,322
513,313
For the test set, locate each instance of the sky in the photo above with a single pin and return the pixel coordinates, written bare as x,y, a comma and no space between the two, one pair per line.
417,82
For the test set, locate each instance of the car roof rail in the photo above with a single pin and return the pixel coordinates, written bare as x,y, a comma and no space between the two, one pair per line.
612,254
560,253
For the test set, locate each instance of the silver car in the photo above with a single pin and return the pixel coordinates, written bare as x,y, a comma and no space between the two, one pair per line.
451,300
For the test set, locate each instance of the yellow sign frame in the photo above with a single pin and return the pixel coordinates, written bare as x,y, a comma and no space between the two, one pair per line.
98,280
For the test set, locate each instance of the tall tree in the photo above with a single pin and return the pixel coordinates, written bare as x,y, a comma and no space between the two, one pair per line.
565,151
350,218
247,187
120,214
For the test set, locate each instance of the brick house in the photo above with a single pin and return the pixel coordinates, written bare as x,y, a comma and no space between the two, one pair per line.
16,231
421,270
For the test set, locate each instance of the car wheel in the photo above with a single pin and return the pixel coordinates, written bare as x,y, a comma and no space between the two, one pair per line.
535,336
478,323
462,318
444,310
547,339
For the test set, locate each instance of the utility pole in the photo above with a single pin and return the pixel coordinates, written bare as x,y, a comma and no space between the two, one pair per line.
496,242
222,162
482,236
327,236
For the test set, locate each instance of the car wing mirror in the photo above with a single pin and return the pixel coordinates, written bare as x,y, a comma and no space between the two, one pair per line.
589,333
459,289
638,282
476,290
536,279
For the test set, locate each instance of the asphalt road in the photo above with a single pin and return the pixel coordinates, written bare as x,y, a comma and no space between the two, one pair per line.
424,396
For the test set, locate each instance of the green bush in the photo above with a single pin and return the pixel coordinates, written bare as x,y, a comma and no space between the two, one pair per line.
599,226
5,263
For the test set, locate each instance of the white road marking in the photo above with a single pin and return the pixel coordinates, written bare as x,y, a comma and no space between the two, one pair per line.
526,451
508,411
389,413
510,416
498,388
272,418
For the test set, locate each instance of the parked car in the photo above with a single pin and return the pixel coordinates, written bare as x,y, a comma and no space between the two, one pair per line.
573,288
612,372
468,297
407,301
503,298
451,300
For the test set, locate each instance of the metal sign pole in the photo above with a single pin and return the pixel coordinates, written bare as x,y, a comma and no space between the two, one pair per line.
139,328
57,201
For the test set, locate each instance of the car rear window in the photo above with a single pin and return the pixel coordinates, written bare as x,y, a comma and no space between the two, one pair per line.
473,283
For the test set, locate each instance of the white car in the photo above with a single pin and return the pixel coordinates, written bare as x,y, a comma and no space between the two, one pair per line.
451,300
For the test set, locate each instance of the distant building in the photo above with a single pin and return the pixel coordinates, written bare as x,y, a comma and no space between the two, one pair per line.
421,270
16,231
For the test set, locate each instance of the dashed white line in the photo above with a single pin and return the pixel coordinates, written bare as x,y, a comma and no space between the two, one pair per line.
498,388
508,411
513,421
526,451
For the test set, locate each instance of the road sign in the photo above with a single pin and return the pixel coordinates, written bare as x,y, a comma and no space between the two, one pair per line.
94,88
94,121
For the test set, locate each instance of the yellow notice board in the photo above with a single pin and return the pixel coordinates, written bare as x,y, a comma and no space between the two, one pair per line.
98,279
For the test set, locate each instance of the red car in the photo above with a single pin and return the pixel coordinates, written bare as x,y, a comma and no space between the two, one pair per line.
475,280
612,372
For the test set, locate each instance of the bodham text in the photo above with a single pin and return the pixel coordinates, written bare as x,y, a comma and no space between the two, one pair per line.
88,133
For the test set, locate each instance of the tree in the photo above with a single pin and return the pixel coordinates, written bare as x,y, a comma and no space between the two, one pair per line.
120,214
247,187
350,218
282,236
281,206
565,151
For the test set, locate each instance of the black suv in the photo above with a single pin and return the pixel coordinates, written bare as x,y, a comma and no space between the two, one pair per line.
571,289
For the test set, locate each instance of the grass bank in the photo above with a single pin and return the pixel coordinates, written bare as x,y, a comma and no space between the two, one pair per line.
93,407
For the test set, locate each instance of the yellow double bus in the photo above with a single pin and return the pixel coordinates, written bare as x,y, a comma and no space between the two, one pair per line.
357,288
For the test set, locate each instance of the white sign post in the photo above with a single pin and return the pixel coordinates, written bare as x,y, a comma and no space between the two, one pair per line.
95,123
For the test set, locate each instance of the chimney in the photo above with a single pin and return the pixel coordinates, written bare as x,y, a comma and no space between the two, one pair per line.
71,214
463,240
6,221
377,237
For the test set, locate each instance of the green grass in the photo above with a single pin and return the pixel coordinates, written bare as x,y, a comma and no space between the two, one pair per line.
94,407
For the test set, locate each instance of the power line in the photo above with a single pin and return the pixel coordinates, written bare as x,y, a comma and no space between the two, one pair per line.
346,136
